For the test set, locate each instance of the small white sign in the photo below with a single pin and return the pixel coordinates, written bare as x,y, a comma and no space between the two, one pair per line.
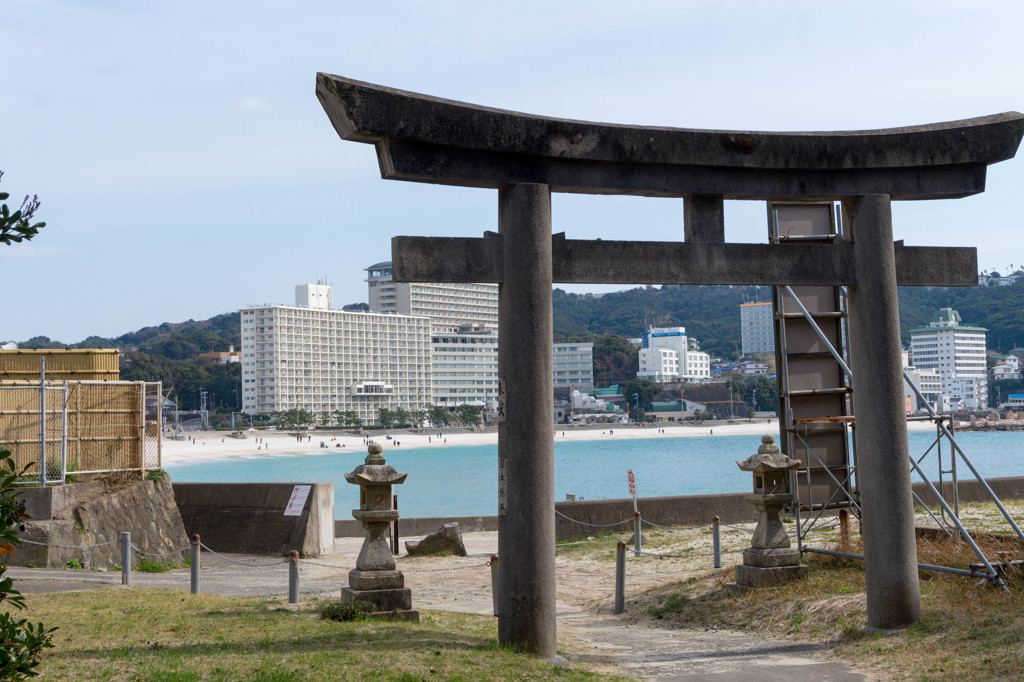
632,483
298,500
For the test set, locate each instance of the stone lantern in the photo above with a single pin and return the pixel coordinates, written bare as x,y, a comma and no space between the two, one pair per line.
770,559
375,579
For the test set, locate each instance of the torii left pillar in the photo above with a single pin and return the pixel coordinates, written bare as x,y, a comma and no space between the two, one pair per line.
526,514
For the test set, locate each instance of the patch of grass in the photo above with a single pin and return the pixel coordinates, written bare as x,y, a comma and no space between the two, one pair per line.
173,635
345,613
74,564
155,475
150,566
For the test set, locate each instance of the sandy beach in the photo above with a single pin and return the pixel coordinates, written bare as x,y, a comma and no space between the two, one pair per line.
199,446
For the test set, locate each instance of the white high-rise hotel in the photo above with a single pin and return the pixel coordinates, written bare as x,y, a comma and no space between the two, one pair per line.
757,330
311,357
957,352
450,307
668,355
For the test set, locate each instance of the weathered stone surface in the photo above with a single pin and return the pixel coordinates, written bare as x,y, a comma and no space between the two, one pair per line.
771,558
755,576
145,508
383,600
445,540
375,580
430,139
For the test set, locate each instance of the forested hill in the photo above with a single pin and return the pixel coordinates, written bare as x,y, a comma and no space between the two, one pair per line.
711,313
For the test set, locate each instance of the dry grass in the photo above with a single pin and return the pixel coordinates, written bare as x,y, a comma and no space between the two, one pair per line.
169,635
967,628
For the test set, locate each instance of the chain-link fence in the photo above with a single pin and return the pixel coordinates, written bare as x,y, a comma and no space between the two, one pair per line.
89,427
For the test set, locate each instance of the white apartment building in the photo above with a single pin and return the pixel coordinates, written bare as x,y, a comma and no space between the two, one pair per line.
322,360
574,366
757,329
450,306
928,381
685,362
464,369
957,353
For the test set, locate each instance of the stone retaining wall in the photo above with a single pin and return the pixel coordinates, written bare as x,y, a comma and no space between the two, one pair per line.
249,517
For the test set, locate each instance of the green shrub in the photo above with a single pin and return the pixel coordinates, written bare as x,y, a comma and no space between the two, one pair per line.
21,642
149,566
357,610
155,475
74,564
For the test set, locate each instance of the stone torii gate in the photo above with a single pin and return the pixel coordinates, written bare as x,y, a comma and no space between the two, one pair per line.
426,139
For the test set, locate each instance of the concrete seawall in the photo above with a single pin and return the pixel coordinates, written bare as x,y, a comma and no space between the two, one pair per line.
248,517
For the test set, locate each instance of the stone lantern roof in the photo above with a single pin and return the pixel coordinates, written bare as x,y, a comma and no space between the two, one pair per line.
768,458
374,470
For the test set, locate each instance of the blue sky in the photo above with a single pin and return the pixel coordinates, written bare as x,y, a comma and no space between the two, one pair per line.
186,168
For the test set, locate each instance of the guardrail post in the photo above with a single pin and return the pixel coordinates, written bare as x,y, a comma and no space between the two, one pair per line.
620,577
495,584
716,539
126,558
195,563
636,534
844,528
293,577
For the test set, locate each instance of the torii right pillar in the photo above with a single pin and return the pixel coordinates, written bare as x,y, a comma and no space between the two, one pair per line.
883,452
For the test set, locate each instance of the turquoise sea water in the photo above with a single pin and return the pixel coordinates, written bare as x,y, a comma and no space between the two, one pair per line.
463,481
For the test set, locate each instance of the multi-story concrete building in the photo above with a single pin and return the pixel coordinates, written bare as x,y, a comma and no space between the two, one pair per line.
322,360
464,368
957,352
928,381
574,366
757,329
668,355
450,306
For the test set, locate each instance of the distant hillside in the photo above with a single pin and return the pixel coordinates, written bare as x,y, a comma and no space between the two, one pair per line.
177,340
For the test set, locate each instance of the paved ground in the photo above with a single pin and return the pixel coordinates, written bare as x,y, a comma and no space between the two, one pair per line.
603,641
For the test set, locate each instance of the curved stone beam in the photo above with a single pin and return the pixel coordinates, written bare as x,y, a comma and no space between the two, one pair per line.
429,139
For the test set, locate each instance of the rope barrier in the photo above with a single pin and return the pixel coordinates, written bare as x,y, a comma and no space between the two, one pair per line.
242,563
171,553
593,525
50,544
441,570
658,525
688,556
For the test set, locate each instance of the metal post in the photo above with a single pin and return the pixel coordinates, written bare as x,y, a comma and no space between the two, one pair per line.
42,422
636,534
495,584
620,577
195,564
844,528
526,516
126,558
394,527
293,577
716,540
883,453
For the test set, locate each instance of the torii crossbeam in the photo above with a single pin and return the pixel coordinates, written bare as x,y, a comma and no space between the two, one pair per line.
427,139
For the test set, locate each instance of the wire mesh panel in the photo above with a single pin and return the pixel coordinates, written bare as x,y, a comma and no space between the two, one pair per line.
22,432
152,415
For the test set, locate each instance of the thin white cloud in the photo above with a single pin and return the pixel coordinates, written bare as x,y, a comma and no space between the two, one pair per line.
253,103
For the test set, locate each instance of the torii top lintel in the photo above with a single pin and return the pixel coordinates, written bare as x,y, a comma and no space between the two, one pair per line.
429,139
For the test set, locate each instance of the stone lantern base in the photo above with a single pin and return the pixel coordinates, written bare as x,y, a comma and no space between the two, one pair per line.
768,567
385,590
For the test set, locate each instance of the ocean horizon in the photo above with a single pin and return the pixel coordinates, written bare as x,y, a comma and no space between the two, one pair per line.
463,480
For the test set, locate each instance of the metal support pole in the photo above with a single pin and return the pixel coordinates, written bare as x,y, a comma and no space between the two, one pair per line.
883,452
526,469
293,577
716,540
620,577
394,527
126,558
42,422
637,535
495,585
195,564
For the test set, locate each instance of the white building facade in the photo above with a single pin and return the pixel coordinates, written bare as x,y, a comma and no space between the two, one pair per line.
669,355
957,353
574,366
464,369
450,306
323,360
757,329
